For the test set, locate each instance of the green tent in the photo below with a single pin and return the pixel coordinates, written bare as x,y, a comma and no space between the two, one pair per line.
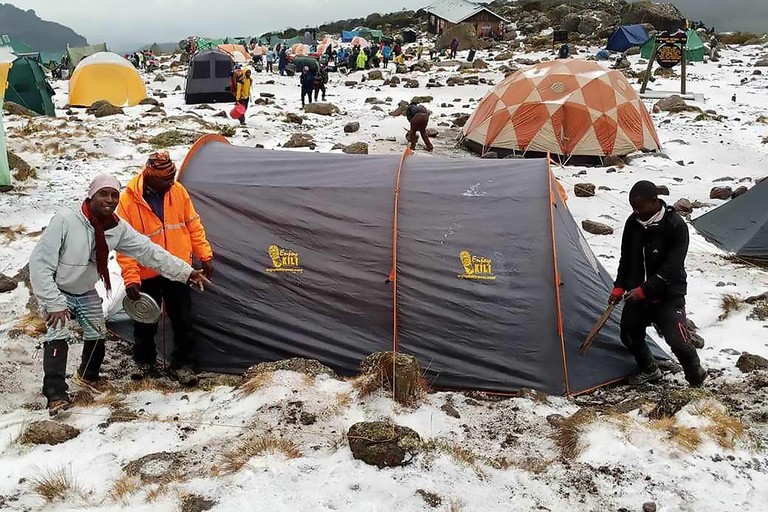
76,53
18,47
48,57
694,48
28,87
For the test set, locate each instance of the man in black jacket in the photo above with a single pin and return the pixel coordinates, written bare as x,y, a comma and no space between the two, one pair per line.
652,273
418,116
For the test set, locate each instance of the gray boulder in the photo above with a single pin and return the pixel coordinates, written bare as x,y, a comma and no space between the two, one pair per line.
663,17
674,104
103,108
584,190
375,74
323,109
7,284
596,228
683,206
351,127
300,140
571,22
748,363
356,148
739,191
720,193
48,432
383,444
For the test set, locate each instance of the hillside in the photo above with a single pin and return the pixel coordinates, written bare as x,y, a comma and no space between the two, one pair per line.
43,36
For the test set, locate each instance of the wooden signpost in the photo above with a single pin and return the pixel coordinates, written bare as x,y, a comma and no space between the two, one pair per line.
668,52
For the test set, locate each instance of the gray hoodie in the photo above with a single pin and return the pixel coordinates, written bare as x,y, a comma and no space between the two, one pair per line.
64,258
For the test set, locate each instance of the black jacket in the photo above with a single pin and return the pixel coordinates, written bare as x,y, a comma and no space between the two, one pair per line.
654,257
415,109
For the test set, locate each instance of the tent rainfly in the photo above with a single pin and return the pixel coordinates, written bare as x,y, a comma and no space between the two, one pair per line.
106,76
208,78
77,53
740,226
28,87
491,285
626,37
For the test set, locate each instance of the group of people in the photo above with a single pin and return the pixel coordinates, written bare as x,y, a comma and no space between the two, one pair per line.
143,60
313,82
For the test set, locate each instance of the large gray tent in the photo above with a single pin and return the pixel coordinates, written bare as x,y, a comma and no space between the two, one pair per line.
740,226
495,285
208,78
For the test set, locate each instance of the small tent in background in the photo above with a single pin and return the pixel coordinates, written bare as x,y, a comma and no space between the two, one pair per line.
361,42
28,87
740,226
301,50
409,35
236,51
208,78
106,76
626,37
348,35
77,53
304,243
694,48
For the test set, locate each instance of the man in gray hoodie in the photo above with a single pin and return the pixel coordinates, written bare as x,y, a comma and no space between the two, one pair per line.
71,255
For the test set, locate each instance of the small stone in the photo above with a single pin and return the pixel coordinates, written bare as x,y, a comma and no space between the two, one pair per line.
584,190
739,191
323,109
383,444
748,363
683,205
357,148
352,127
596,228
290,117
720,193
307,418
195,503
649,507
149,101
662,190
375,74
266,95
461,120
300,140
422,99
450,410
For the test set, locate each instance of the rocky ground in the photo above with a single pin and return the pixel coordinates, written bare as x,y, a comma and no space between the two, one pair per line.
284,432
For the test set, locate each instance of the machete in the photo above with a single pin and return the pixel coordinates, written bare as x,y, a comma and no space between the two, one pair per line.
599,325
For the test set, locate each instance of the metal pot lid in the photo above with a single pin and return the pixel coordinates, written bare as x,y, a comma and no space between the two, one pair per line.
145,310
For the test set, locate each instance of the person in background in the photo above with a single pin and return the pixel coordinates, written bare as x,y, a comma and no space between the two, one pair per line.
454,48
321,80
386,52
307,82
418,116
564,52
420,50
158,206
243,92
283,56
270,60
652,280
362,59
70,257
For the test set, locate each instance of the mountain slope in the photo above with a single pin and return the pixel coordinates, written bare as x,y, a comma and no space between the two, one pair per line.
41,35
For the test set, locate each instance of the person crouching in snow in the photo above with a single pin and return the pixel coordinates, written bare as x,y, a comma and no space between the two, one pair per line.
307,81
158,206
243,91
69,258
418,116
652,272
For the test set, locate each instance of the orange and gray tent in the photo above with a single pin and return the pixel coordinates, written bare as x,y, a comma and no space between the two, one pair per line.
475,267
563,107
106,76
208,78
237,51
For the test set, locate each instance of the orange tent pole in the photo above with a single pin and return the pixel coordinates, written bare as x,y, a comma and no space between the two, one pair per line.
393,272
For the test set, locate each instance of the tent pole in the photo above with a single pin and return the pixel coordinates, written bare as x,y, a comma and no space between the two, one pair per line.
5,172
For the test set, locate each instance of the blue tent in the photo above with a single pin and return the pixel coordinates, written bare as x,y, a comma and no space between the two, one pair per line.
347,36
627,37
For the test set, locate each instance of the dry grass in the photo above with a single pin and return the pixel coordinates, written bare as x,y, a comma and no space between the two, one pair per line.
161,385
342,402
685,437
111,400
234,459
122,489
729,304
32,325
57,485
393,373
256,383
12,232
156,492
724,428
567,435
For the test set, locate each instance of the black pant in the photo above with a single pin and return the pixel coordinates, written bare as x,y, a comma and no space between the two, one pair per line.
178,308
308,94
669,316
453,53
269,67
55,366
386,62
319,87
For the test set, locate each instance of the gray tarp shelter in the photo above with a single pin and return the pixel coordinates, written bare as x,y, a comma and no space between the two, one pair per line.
740,226
208,78
496,286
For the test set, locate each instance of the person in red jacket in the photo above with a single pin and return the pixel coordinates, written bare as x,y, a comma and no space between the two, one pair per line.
158,206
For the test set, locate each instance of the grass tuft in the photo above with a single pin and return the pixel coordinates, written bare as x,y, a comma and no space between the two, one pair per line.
156,492
685,437
57,485
567,435
256,383
729,304
234,459
32,325
122,489
724,428
161,385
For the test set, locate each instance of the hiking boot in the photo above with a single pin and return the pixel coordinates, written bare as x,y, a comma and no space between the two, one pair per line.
242,121
99,385
185,376
145,371
698,378
56,406
646,377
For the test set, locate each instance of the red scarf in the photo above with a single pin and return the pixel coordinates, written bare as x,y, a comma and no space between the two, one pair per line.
102,249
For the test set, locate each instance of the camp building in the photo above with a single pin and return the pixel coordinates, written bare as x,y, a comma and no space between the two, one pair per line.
444,14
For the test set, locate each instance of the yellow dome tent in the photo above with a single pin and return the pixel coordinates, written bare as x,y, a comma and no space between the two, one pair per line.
106,76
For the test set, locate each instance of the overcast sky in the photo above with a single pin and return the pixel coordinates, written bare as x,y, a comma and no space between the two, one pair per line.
127,24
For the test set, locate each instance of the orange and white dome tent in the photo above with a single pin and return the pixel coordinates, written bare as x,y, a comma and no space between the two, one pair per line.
565,107
106,76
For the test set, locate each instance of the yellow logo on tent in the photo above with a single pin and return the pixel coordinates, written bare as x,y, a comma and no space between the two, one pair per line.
284,260
476,267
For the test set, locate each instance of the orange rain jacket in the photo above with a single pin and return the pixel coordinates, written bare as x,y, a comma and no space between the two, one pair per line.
181,233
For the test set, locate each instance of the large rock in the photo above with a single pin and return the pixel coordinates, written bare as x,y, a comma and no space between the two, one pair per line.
16,163
683,206
15,109
103,108
311,367
300,140
351,127
407,374
356,148
383,444
720,193
664,17
7,284
479,64
588,26
291,117
557,14
571,22
464,33
461,120
674,104
596,228
375,74
748,363
48,432
195,503
421,65
584,190
323,109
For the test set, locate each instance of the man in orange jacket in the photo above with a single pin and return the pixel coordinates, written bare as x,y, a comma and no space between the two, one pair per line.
158,206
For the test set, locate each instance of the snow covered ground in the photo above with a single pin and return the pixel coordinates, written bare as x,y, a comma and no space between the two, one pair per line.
513,455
